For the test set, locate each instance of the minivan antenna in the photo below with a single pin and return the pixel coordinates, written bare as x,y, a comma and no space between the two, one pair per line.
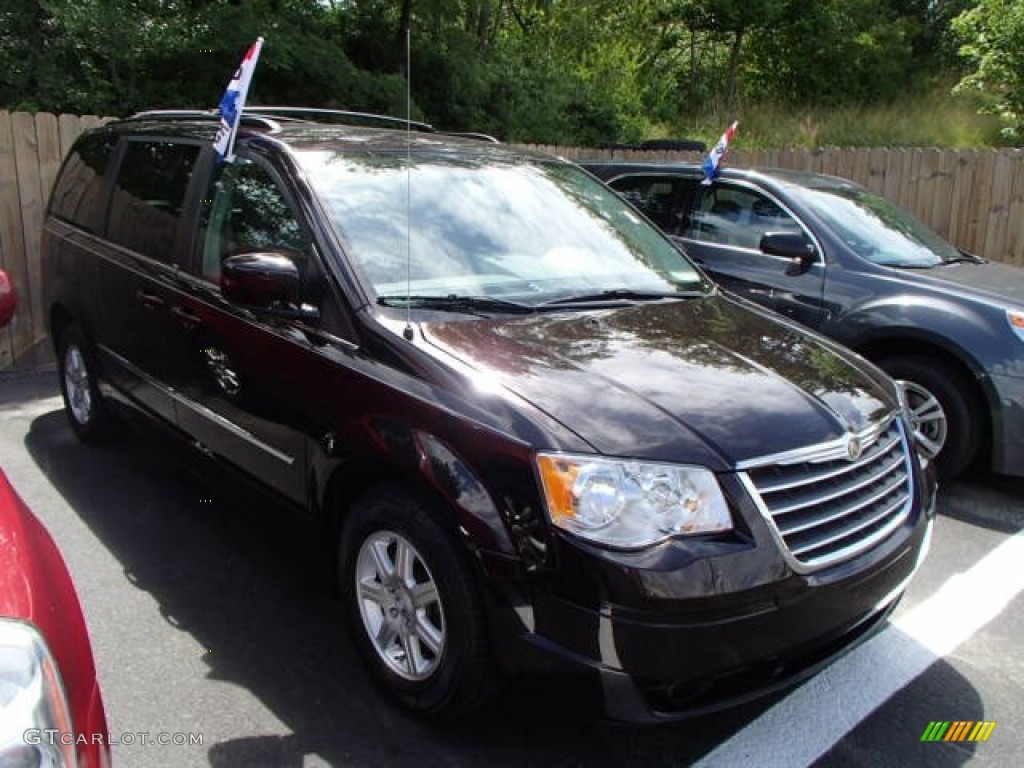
408,332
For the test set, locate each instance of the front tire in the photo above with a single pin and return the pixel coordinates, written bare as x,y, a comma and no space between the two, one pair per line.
945,417
414,606
85,407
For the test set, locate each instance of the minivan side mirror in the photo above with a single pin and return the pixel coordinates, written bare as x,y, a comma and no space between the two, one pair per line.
8,301
267,283
790,245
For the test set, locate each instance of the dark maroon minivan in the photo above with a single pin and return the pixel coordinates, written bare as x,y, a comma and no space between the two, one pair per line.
536,435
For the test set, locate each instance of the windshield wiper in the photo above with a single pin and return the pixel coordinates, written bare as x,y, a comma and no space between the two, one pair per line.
455,303
964,258
620,295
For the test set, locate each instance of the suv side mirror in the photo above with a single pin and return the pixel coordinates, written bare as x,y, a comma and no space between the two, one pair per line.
790,245
268,283
8,301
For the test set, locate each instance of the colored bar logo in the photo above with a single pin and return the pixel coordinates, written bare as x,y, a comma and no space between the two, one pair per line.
958,730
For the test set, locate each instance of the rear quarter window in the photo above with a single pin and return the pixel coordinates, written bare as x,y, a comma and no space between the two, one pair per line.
656,196
79,194
149,196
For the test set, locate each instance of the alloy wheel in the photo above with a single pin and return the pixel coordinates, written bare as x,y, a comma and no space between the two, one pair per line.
77,384
400,605
927,418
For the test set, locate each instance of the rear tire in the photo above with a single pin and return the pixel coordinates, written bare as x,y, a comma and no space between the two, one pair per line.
87,411
946,417
414,606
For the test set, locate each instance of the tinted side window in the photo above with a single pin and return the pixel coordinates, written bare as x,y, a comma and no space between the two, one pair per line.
656,196
78,195
149,196
247,212
737,217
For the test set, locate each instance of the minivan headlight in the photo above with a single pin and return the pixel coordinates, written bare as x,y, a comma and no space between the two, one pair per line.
32,701
630,504
1016,321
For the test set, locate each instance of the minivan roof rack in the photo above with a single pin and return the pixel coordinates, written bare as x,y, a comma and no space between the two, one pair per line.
203,114
271,117
473,135
316,114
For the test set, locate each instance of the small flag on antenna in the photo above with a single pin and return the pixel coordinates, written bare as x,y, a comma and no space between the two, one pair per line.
232,103
715,157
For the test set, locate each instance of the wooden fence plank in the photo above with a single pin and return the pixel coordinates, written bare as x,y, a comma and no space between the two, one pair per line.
893,174
26,160
914,187
876,170
844,166
12,242
928,179
828,162
980,201
999,207
1015,219
963,181
861,166
69,127
49,158
942,202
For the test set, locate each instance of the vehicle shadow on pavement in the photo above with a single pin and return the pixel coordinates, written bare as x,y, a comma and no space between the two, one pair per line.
891,736
250,586
981,498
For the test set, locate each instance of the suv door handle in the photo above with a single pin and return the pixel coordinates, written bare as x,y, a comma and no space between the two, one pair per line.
150,300
187,319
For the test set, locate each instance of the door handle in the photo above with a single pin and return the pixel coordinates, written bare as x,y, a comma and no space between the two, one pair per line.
187,319
150,300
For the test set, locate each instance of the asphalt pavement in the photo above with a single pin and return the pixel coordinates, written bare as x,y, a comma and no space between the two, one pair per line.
215,627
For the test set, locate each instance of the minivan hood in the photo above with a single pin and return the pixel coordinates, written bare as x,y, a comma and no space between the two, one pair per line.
703,381
1000,283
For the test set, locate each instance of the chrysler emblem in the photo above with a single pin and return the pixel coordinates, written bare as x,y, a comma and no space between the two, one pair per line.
853,447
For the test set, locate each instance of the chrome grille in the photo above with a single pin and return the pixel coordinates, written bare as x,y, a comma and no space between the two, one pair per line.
825,507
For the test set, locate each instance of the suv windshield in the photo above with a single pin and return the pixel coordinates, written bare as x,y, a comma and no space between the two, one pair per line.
529,232
876,229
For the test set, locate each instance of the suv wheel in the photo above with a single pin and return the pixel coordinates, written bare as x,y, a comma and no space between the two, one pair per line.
413,606
86,410
944,417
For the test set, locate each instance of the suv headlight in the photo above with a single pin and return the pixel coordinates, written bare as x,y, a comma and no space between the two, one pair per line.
32,700
630,504
1016,321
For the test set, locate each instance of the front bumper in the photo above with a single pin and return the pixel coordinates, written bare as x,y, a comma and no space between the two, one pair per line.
665,642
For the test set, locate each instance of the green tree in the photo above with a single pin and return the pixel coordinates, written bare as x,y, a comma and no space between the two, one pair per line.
834,52
992,34
571,71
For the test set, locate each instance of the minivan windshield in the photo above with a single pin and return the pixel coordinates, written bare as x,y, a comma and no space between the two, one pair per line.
875,229
492,228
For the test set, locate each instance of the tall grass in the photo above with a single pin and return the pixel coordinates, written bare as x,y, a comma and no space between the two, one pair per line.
935,119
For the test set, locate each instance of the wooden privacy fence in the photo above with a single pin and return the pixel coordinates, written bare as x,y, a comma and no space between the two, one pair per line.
974,198
31,150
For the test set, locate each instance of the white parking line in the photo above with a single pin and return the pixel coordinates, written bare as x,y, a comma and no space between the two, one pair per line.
807,723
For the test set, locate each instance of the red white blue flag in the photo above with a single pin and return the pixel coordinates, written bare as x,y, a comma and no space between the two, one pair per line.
232,103
714,158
